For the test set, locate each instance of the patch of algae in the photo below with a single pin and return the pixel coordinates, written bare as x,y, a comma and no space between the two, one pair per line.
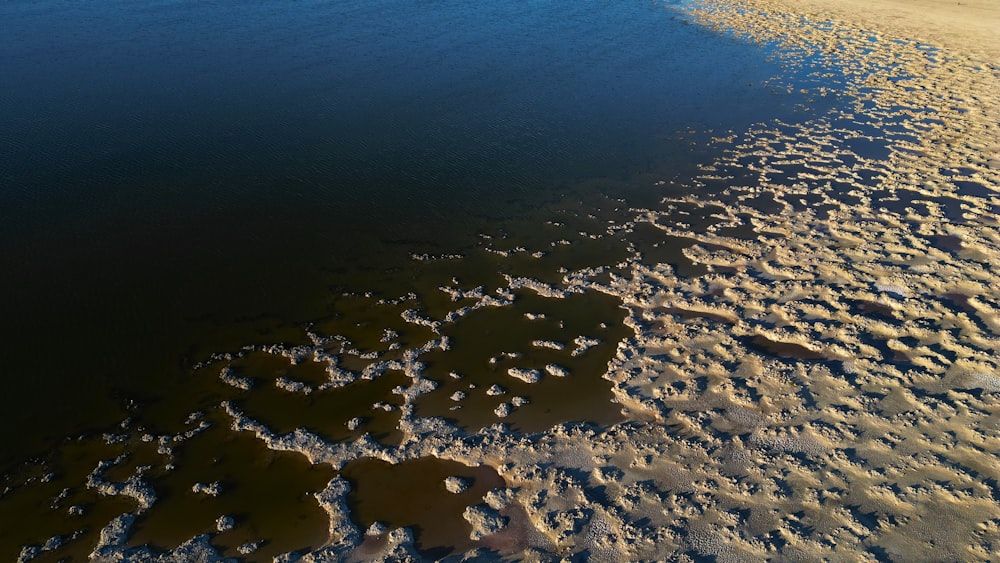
824,386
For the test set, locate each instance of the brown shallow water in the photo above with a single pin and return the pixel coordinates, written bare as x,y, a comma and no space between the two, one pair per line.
412,494
266,493
480,354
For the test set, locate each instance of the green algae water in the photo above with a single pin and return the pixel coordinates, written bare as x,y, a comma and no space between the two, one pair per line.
195,188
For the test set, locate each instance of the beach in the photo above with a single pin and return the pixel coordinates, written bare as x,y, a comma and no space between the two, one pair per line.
964,26
787,352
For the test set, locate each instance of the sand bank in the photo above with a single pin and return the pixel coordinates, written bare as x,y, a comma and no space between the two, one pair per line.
969,25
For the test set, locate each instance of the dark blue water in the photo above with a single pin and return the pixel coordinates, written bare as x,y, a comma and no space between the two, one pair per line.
172,172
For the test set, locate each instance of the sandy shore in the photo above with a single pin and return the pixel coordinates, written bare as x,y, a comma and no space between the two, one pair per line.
828,391
972,26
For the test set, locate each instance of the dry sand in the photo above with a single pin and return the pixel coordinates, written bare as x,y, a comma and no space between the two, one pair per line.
968,25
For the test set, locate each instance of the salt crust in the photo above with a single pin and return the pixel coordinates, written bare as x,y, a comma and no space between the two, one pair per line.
525,375
227,376
225,523
249,547
484,520
556,371
503,410
211,489
887,446
455,484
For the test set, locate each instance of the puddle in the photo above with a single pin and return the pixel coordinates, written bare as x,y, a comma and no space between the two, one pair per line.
412,494
267,493
342,413
36,511
364,320
513,341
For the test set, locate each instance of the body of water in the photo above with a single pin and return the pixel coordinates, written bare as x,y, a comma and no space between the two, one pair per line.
170,170
179,179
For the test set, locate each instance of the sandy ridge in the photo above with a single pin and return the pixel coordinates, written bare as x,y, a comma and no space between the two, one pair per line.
971,26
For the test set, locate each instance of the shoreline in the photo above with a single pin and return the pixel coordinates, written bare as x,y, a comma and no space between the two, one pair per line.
823,392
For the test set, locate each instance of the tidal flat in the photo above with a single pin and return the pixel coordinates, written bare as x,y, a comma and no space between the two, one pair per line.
778,341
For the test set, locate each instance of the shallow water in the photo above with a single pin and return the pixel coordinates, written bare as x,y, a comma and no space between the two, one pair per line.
413,494
266,493
188,179
183,178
